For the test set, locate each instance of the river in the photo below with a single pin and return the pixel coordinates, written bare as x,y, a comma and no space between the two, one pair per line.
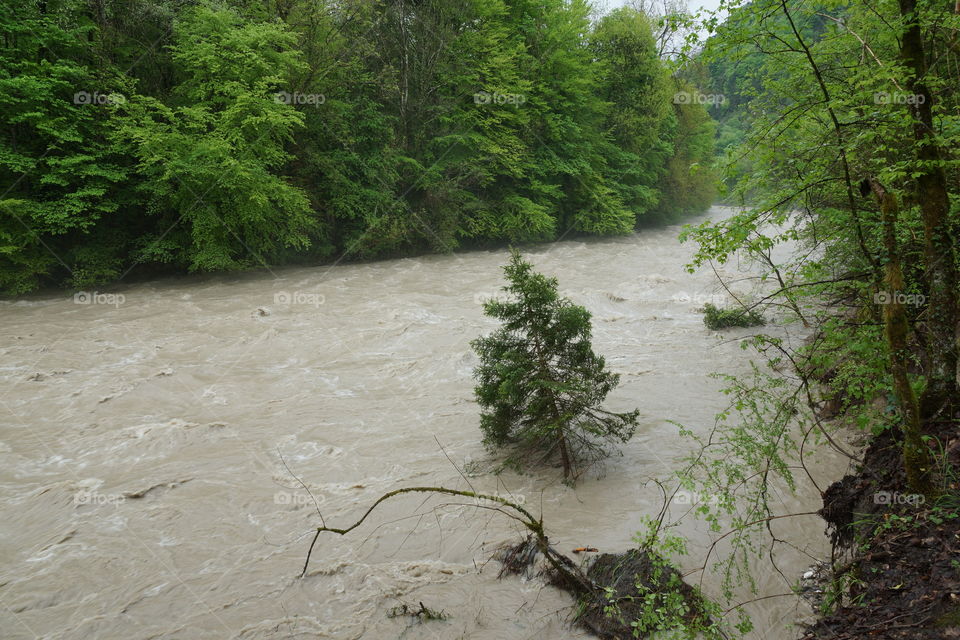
150,438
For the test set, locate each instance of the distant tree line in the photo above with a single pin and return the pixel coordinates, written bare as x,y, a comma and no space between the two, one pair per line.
174,135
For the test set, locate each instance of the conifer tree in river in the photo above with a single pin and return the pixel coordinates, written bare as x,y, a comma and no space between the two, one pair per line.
540,384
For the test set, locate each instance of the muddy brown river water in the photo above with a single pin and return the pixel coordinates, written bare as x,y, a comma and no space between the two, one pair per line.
149,437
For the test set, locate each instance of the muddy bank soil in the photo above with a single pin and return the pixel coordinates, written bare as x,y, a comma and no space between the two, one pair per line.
900,570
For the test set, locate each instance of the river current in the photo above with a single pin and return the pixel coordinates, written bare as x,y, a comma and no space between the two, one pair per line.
154,438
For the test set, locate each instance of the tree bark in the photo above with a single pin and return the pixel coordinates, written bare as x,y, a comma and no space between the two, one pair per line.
916,455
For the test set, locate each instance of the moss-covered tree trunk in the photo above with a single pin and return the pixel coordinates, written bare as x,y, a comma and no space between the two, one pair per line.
916,455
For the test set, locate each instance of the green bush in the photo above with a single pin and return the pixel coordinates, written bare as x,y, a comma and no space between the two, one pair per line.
716,318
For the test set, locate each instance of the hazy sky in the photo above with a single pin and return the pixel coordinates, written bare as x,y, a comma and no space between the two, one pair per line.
692,4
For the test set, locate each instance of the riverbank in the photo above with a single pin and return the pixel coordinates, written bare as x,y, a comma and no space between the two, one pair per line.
897,556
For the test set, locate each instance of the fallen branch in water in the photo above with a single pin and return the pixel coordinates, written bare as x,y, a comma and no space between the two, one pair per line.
613,582
563,565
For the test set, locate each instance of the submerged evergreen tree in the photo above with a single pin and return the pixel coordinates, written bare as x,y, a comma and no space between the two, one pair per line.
540,384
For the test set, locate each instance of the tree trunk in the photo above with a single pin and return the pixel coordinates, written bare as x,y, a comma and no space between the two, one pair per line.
916,455
564,454
561,427
939,252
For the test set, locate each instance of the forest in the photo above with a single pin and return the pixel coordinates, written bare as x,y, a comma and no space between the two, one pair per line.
165,136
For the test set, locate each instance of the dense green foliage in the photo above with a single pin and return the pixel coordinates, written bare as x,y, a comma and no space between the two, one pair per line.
171,135
716,318
853,144
540,384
